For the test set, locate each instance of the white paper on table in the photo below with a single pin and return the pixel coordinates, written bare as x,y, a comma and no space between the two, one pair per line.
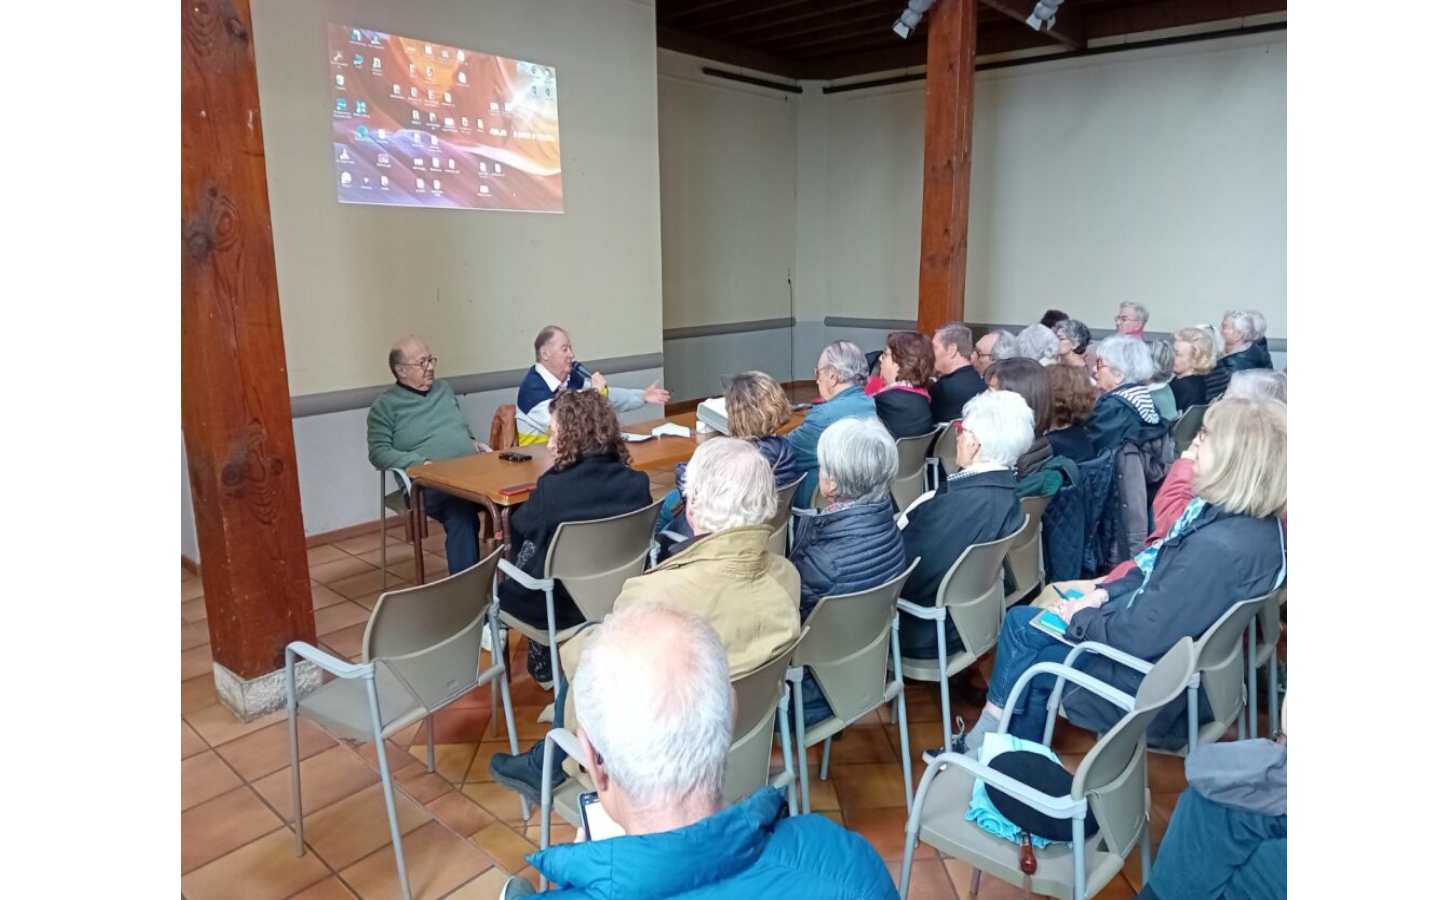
637,438
670,429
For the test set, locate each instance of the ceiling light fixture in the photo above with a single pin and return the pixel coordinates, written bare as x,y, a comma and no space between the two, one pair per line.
1044,14
910,19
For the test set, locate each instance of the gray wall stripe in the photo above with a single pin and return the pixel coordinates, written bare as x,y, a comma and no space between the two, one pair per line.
361,398
698,331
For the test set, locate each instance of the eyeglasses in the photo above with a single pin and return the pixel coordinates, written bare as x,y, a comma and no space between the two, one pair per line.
427,362
1121,320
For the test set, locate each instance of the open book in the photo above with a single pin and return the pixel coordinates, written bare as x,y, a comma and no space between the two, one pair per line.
711,413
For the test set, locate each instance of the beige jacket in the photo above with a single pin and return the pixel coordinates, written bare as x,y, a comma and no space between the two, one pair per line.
750,596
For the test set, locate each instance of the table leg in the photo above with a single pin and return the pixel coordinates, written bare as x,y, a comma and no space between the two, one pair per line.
417,513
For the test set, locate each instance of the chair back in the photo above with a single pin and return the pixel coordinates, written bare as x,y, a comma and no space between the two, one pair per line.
945,448
429,636
1025,556
780,522
974,592
1188,425
847,643
1112,774
502,428
594,558
1268,639
1220,659
910,477
757,701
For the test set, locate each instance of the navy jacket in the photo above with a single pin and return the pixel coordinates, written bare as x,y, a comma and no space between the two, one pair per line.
950,393
1219,560
850,402
1189,390
1073,443
748,851
1119,416
848,550
905,413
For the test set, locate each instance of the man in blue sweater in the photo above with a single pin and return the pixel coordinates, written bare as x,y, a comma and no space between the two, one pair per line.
657,716
840,376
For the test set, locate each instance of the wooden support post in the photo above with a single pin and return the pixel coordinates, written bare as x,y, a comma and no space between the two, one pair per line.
235,394
949,121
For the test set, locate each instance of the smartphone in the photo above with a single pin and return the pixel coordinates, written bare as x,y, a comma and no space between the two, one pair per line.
596,821
516,489
512,456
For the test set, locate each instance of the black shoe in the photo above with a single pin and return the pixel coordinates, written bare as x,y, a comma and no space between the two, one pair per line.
957,745
537,663
524,772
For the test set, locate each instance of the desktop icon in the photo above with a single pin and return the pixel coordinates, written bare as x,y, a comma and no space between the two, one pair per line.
459,55
435,161
499,170
360,107
414,115
429,50
482,168
380,135
341,104
452,163
447,96
339,80
345,178
375,63
359,60
432,118
444,54
419,163
419,184
354,34
382,159
449,122
434,140
464,121
436,184
412,69
384,181
415,92
494,107
429,72
344,155
396,89
362,132
461,76
339,58
484,188
509,107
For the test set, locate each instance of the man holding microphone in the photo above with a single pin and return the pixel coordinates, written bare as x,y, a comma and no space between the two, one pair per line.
555,370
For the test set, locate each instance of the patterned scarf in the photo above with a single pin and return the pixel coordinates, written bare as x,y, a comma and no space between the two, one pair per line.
1138,396
1145,559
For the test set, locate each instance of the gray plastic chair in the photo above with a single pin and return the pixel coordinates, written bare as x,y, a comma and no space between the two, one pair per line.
1110,781
780,527
849,643
398,502
972,594
421,651
1187,426
762,700
910,480
593,559
1026,555
1219,671
1262,650
516,886
942,456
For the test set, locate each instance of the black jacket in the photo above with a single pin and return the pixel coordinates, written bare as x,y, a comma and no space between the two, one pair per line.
1189,390
849,550
596,487
950,393
1219,560
973,509
1252,357
905,413
1073,443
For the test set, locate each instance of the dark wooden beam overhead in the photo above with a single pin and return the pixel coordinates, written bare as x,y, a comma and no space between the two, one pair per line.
721,51
794,37
1069,28
1112,19
767,16
945,199
675,10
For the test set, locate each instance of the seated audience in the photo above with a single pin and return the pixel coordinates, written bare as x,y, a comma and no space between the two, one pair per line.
1027,378
839,376
1260,325
1227,546
903,404
1053,317
726,574
956,379
756,408
655,725
1125,407
1131,319
1228,833
590,479
1072,399
556,369
1239,331
417,421
852,543
1194,361
1038,343
1163,357
993,347
978,505
1074,338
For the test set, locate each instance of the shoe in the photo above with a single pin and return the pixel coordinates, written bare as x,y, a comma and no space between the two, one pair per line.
522,772
957,744
537,663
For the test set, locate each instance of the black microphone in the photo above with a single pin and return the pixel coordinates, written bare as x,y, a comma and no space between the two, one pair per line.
578,366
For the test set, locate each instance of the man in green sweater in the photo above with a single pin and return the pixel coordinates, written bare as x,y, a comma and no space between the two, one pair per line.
417,421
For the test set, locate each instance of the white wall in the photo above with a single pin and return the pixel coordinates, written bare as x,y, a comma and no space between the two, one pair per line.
477,284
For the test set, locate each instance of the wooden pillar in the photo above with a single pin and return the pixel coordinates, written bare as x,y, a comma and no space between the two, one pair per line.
235,394
949,121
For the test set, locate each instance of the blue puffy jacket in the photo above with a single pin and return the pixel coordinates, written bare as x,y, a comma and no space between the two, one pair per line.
849,550
748,851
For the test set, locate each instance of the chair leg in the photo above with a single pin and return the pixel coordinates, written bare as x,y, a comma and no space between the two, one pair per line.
389,788
1252,675
944,684
295,779
1273,709
1192,712
974,882
905,755
384,551
430,744
1145,849
908,861
510,731
825,761
785,749
802,757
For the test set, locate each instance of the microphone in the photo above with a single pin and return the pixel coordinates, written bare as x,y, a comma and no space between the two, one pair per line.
578,366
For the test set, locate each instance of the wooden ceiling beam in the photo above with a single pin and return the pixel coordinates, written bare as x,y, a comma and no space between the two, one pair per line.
798,35
667,11
862,32
1069,28
1107,21
772,16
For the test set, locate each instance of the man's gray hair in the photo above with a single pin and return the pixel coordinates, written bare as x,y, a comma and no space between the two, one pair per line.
729,484
1138,309
1003,423
652,693
1244,322
1258,384
1163,356
848,361
860,456
1038,343
1128,356
543,338
957,335
1006,346
397,359
1260,324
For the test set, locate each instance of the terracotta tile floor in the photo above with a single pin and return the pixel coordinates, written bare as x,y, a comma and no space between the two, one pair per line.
462,833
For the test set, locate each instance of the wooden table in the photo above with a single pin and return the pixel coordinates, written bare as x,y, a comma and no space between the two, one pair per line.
482,478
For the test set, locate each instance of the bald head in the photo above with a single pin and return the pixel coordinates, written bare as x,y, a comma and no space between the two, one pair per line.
412,364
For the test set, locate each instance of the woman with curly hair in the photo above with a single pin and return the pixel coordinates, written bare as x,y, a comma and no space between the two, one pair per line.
591,478
1072,400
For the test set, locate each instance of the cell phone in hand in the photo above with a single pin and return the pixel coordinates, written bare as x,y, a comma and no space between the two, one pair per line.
512,456
596,821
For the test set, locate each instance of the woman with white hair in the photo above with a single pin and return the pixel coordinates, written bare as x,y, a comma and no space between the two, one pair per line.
852,543
1240,332
1040,344
976,505
1227,546
1123,368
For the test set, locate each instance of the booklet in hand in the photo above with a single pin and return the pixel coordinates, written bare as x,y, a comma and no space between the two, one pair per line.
1053,625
